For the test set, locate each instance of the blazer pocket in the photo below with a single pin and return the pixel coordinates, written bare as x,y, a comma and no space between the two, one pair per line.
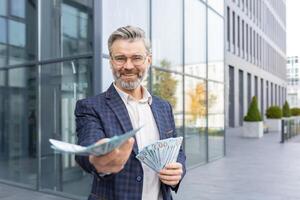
169,133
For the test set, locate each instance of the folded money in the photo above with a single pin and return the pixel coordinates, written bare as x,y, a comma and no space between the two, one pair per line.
96,149
157,155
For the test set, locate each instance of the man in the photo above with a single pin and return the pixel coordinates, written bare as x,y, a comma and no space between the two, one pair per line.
118,175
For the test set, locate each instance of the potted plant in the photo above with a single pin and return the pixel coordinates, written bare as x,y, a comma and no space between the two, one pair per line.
273,121
253,125
295,111
286,112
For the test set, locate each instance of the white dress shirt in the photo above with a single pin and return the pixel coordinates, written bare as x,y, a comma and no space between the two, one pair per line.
141,115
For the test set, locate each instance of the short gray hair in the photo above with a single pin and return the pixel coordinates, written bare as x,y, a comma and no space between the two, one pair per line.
130,33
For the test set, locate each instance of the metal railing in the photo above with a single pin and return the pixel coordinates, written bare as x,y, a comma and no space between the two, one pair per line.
290,127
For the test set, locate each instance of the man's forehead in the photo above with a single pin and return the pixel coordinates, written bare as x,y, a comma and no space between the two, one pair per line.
128,46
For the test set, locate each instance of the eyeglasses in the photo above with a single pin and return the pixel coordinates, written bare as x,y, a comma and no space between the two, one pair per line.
135,59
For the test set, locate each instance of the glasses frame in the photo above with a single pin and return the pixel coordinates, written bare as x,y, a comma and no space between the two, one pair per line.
120,64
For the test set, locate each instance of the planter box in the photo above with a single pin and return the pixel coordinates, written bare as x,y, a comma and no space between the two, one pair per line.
273,124
253,129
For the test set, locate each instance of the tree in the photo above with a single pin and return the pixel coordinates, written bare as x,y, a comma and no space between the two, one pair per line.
286,112
197,105
253,114
164,84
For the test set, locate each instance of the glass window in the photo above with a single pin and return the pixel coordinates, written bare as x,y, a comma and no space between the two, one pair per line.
3,29
62,84
215,47
117,13
195,120
217,5
17,33
66,28
169,87
195,38
216,121
167,43
3,55
17,8
107,77
18,126
3,7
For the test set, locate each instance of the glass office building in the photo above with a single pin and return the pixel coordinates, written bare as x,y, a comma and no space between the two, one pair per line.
54,52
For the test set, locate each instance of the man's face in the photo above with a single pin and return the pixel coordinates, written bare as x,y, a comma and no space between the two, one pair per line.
130,62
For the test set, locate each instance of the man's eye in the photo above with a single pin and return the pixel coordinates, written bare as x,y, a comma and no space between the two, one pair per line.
120,58
137,57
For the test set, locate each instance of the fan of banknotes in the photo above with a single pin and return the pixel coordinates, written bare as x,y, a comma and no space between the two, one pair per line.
160,153
94,149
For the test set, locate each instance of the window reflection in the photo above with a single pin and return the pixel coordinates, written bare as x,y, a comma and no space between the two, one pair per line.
195,38
3,30
215,47
117,13
17,8
167,43
17,33
195,120
66,28
215,120
62,85
18,132
168,86
3,7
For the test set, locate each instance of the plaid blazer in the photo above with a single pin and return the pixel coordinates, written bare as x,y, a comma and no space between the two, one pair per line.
105,115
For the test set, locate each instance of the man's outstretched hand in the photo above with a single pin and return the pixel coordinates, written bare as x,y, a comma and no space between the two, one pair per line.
114,161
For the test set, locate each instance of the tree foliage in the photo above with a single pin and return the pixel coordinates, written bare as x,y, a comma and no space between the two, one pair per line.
274,112
253,114
286,112
164,85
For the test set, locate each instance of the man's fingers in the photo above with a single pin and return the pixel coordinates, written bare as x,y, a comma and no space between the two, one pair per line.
173,165
170,178
127,146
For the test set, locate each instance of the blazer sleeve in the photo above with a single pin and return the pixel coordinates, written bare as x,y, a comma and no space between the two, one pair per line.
89,130
181,156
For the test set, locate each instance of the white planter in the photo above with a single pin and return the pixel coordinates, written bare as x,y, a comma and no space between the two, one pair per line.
253,129
273,124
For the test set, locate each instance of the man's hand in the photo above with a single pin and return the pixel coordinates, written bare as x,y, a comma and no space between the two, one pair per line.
114,161
171,174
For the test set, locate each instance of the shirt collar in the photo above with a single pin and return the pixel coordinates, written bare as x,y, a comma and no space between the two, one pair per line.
147,98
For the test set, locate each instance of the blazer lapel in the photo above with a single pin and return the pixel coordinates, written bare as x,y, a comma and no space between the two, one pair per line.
159,117
117,105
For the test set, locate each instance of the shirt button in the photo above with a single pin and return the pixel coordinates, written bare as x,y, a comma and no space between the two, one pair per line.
139,178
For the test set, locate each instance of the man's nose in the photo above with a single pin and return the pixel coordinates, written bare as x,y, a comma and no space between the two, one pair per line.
128,64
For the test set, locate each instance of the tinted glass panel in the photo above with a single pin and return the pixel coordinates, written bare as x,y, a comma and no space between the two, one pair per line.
215,120
167,44
117,13
169,87
3,30
17,8
62,85
66,28
195,38
18,126
195,120
3,4
215,47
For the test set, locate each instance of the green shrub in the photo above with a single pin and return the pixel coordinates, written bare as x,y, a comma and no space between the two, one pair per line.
286,112
274,112
253,114
295,111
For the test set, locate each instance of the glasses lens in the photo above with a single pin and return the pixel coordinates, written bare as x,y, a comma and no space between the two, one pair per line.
138,59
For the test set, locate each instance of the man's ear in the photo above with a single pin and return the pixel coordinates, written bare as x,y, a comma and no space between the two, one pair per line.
149,59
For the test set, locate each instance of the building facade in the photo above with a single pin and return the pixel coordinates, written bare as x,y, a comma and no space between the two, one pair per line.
54,52
293,79
255,56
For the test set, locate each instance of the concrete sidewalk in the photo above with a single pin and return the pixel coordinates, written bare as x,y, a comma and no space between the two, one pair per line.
253,169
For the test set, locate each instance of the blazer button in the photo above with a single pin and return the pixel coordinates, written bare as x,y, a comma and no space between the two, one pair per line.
139,178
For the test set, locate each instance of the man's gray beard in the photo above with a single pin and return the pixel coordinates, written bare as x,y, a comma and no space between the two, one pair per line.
129,85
